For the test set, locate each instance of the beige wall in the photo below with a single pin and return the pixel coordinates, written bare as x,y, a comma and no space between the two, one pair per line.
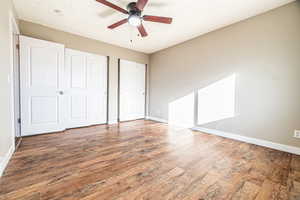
6,134
263,51
84,44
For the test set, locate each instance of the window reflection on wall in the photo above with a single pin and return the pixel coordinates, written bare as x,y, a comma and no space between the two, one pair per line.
217,101
181,111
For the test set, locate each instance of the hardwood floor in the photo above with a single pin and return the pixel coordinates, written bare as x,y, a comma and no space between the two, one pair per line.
147,160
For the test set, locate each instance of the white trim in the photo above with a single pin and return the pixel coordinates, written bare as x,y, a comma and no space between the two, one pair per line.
264,143
259,142
4,160
14,23
110,122
13,29
147,89
157,119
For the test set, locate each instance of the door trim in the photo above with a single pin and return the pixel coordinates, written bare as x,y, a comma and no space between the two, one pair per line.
13,29
119,64
107,89
146,90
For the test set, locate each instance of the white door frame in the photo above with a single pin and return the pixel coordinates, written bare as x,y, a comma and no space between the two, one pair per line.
13,29
146,89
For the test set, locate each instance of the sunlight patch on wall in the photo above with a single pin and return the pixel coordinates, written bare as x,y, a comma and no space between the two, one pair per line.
217,101
181,111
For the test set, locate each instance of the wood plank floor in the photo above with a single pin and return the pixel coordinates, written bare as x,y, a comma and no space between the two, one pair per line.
147,160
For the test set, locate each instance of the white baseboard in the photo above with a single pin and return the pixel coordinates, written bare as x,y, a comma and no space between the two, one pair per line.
264,143
157,119
112,122
259,142
4,160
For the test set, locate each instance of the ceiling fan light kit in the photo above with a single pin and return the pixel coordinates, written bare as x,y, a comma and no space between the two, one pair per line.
135,18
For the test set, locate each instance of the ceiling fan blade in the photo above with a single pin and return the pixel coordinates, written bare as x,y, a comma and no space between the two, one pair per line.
119,23
141,4
113,6
142,30
165,20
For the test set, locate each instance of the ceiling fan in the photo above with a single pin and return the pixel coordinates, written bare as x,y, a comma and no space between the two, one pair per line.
135,18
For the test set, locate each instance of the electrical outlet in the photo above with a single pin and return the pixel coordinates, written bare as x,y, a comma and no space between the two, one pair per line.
297,134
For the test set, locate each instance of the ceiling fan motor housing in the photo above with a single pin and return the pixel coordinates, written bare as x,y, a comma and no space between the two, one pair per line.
133,10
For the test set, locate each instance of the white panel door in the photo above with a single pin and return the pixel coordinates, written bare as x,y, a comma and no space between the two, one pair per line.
132,90
86,87
41,80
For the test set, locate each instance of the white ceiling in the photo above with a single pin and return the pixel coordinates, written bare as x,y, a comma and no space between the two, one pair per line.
191,18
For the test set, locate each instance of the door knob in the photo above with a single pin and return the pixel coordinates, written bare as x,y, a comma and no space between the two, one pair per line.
61,92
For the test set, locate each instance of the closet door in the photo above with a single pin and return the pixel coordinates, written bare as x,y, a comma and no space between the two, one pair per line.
132,90
41,83
86,87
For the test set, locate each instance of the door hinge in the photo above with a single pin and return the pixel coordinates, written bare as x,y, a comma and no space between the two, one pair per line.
18,46
19,120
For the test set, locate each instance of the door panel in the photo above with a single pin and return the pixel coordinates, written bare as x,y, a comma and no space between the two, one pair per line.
97,87
78,107
41,79
44,67
86,77
42,105
132,90
78,71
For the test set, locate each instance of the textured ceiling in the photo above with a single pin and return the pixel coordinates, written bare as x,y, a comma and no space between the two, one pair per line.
191,18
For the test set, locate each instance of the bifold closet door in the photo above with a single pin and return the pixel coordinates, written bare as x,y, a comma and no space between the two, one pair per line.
86,88
60,88
132,85
41,83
